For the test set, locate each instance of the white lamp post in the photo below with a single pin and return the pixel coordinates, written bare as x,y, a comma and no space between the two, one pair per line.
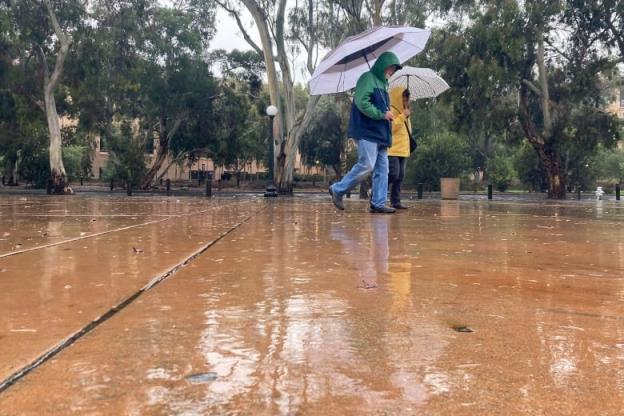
271,191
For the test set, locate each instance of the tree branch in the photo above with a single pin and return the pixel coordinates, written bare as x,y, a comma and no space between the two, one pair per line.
619,38
246,36
543,78
532,87
44,63
65,43
559,51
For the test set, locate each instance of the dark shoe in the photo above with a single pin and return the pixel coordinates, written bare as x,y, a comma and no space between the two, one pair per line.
336,200
399,206
382,210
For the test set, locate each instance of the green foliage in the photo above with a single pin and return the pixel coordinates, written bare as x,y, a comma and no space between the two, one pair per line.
438,156
610,165
77,161
325,138
530,168
500,172
240,132
127,156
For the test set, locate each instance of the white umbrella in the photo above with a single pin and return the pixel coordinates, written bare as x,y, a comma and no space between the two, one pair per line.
421,82
341,68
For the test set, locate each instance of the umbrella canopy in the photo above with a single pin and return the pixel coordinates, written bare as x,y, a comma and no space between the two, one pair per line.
421,82
341,68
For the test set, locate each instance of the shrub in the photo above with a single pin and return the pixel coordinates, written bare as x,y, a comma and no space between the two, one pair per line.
500,172
438,156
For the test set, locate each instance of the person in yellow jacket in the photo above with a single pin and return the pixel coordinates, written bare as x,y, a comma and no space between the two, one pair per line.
400,150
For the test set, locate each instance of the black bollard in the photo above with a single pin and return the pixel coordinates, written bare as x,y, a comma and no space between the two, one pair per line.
4,180
208,185
490,192
49,187
578,193
81,181
420,191
349,194
168,184
617,192
129,189
112,185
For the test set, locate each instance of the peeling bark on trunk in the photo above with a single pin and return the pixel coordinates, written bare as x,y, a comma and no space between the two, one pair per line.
542,140
549,158
58,177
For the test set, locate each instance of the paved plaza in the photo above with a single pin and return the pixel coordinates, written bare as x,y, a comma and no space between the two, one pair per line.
253,306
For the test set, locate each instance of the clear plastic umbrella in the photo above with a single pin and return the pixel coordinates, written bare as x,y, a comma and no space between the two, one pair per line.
340,69
421,82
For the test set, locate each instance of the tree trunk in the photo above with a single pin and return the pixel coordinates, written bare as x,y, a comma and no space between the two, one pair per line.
163,151
286,144
549,158
556,182
542,141
58,177
267,49
287,156
10,173
57,169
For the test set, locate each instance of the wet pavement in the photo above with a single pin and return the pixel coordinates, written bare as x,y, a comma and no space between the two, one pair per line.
450,308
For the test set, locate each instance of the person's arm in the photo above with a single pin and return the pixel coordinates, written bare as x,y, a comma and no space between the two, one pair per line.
364,89
399,117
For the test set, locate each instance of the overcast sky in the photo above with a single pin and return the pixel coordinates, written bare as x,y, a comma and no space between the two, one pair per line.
229,37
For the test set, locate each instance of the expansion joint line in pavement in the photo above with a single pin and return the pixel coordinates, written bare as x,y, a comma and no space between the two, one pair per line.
15,377
129,227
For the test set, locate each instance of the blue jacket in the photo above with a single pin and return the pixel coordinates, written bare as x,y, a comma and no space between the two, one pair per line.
371,102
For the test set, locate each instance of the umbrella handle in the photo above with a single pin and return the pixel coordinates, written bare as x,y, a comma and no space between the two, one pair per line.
366,59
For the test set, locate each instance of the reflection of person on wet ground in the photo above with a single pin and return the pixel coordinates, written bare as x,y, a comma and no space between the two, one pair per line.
370,254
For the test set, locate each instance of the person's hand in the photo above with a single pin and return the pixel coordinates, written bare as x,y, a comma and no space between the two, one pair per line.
407,112
389,116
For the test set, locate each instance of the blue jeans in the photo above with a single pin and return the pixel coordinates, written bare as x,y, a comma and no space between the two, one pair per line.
371,158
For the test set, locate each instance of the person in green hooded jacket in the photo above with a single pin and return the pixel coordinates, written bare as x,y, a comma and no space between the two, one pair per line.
371,126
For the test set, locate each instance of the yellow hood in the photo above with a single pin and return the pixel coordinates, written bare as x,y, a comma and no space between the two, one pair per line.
396,98
400,138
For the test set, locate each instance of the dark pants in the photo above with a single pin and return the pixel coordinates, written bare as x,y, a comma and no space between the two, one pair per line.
395,177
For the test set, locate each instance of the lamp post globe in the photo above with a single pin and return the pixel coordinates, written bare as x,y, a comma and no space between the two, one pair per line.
271,190
271,111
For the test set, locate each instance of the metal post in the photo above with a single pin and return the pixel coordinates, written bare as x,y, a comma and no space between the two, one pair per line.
617,192
578,193
168,187
129,189
112,184
420,191
490,191
271,151
81,181
208,185
271,190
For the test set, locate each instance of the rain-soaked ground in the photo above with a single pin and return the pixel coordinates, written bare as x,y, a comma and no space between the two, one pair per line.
246,306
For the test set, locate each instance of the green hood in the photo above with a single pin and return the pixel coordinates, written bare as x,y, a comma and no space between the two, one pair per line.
385,60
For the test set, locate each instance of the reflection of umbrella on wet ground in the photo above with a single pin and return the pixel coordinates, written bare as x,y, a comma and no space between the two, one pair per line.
341,68
421,82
